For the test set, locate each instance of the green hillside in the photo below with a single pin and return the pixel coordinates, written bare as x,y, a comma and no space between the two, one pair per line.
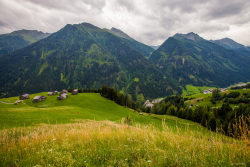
82,56
232,45
76,107
190,59
19,39
88,130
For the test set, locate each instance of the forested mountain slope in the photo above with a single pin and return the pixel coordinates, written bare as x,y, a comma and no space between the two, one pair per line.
82,56
145,50
191,59
232,45
19,39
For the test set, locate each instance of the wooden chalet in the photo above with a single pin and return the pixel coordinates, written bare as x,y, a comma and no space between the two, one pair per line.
75,92
55,92
25,96
50,93
43,97
37,99
63,91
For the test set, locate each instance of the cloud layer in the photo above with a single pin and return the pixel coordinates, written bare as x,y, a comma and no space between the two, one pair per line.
150,22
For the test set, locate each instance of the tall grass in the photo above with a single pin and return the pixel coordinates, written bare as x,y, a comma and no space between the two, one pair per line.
104,143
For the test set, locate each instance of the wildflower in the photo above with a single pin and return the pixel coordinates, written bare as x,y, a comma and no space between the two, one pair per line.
85,161
149,161
54,139
99,157
50,150
138,149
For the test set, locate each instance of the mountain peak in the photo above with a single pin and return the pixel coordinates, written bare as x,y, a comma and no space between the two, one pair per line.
89,26
191,36
118,33
228,43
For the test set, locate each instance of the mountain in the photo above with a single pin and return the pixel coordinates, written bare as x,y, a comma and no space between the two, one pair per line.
83,56
19,39
232,45
155,47
145,50
191,59
192,36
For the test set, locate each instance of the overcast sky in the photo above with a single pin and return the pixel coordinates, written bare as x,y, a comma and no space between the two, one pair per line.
150,22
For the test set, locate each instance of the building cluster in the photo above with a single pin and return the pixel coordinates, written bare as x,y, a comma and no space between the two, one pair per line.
211,90
148,104
63,95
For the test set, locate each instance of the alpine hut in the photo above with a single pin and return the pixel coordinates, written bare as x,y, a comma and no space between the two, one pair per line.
37,99
25,96
43,97
62,96
75,92
50,93
63,91
55,92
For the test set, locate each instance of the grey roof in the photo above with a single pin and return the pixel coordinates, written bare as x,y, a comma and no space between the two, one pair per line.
37,97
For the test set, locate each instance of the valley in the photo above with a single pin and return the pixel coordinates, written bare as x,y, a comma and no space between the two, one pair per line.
133,104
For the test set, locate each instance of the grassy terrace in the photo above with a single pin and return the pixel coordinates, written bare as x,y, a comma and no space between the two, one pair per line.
204,99
87,130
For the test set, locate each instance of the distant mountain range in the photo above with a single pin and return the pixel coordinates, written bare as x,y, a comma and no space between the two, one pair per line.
190,59
19,39
232,45
85,56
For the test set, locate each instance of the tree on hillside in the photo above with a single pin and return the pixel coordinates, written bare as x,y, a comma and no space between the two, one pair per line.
212,124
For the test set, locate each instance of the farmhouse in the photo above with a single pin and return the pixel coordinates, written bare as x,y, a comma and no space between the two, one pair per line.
75,92
62,96
55,92
148,104
37,99
50,93
25,96
206,92
63,91
43,97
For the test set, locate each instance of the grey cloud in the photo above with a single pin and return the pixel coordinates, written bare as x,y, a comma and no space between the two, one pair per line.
226,8
150,22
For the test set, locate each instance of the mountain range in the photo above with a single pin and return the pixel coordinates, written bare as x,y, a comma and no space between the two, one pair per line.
19,39
232,45
190,59
85,56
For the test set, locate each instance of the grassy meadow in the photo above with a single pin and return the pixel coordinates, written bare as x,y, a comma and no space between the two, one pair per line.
89,130
204,99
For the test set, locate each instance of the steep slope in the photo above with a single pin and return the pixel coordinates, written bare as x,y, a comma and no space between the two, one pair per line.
145,50
192,60
19,39
82,56
232,45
